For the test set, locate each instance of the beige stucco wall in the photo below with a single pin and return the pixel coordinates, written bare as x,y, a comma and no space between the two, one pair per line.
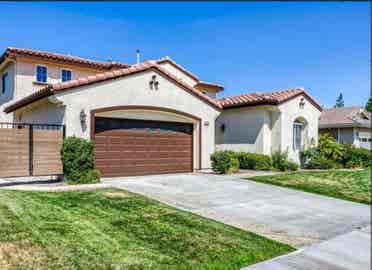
8,96
26,74
246,129
23,79
266,129
290,111
134,90
178,73
41,112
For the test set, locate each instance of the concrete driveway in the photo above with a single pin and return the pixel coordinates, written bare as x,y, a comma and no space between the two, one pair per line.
286,215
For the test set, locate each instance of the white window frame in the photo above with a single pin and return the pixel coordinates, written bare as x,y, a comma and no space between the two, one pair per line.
66,69
41,65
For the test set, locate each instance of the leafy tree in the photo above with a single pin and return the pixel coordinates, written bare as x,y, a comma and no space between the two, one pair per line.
339,101
368,106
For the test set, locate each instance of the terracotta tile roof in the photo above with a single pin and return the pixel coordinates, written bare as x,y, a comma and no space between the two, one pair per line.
14,52
344,117
109,75
271,98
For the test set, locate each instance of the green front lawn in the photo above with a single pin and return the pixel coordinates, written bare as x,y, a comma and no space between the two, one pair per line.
113,229
348,185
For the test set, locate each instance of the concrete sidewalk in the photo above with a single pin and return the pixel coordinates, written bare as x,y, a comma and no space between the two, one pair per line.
348,251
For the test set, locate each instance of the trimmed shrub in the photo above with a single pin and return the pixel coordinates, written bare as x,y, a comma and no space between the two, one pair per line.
77,160
224,162
280,162
86,177
292,166
356,157
320,162
254,161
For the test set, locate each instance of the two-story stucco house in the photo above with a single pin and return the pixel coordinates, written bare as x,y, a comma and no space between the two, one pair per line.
150,117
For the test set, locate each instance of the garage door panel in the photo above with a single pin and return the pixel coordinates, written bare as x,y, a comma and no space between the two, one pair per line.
147,154
143,162
150,148
118,171
126,147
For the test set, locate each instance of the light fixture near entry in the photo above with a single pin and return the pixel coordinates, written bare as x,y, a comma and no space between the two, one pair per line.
83,118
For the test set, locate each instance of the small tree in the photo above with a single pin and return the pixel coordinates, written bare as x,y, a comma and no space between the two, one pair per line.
339,101
368,106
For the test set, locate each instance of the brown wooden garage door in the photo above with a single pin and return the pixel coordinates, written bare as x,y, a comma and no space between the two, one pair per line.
125,147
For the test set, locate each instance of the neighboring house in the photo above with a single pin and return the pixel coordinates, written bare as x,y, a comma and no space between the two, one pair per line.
268,122
347,125
151,117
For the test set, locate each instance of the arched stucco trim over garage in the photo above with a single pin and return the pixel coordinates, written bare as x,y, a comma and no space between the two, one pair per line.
147,108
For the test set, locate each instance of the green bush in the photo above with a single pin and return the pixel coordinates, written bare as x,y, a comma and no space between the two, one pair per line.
331,155
86,177
356,157
77,159
234,168
224,162
292,166
330,148
254,161
280,162
321,162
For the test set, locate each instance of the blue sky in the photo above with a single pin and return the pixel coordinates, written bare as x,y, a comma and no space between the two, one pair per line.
245,46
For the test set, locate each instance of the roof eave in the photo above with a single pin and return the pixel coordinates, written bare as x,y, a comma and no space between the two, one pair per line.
42,93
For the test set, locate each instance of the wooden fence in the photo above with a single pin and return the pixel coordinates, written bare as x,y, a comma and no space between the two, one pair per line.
30,149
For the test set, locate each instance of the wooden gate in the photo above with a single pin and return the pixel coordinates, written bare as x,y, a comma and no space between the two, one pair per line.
30,149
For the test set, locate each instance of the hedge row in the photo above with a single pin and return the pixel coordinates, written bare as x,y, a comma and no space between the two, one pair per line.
229,162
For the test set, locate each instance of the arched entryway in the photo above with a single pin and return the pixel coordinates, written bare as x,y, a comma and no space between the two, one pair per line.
142,140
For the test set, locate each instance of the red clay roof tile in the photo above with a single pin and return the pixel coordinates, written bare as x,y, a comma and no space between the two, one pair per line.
107,65
272,98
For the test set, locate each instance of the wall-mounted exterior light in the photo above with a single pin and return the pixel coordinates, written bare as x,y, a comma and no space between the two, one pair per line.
223,127
83,118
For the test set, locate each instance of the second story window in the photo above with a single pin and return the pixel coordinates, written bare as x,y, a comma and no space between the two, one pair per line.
66,75
4,83
41,73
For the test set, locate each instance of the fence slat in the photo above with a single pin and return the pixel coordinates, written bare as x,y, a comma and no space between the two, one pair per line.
30,149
